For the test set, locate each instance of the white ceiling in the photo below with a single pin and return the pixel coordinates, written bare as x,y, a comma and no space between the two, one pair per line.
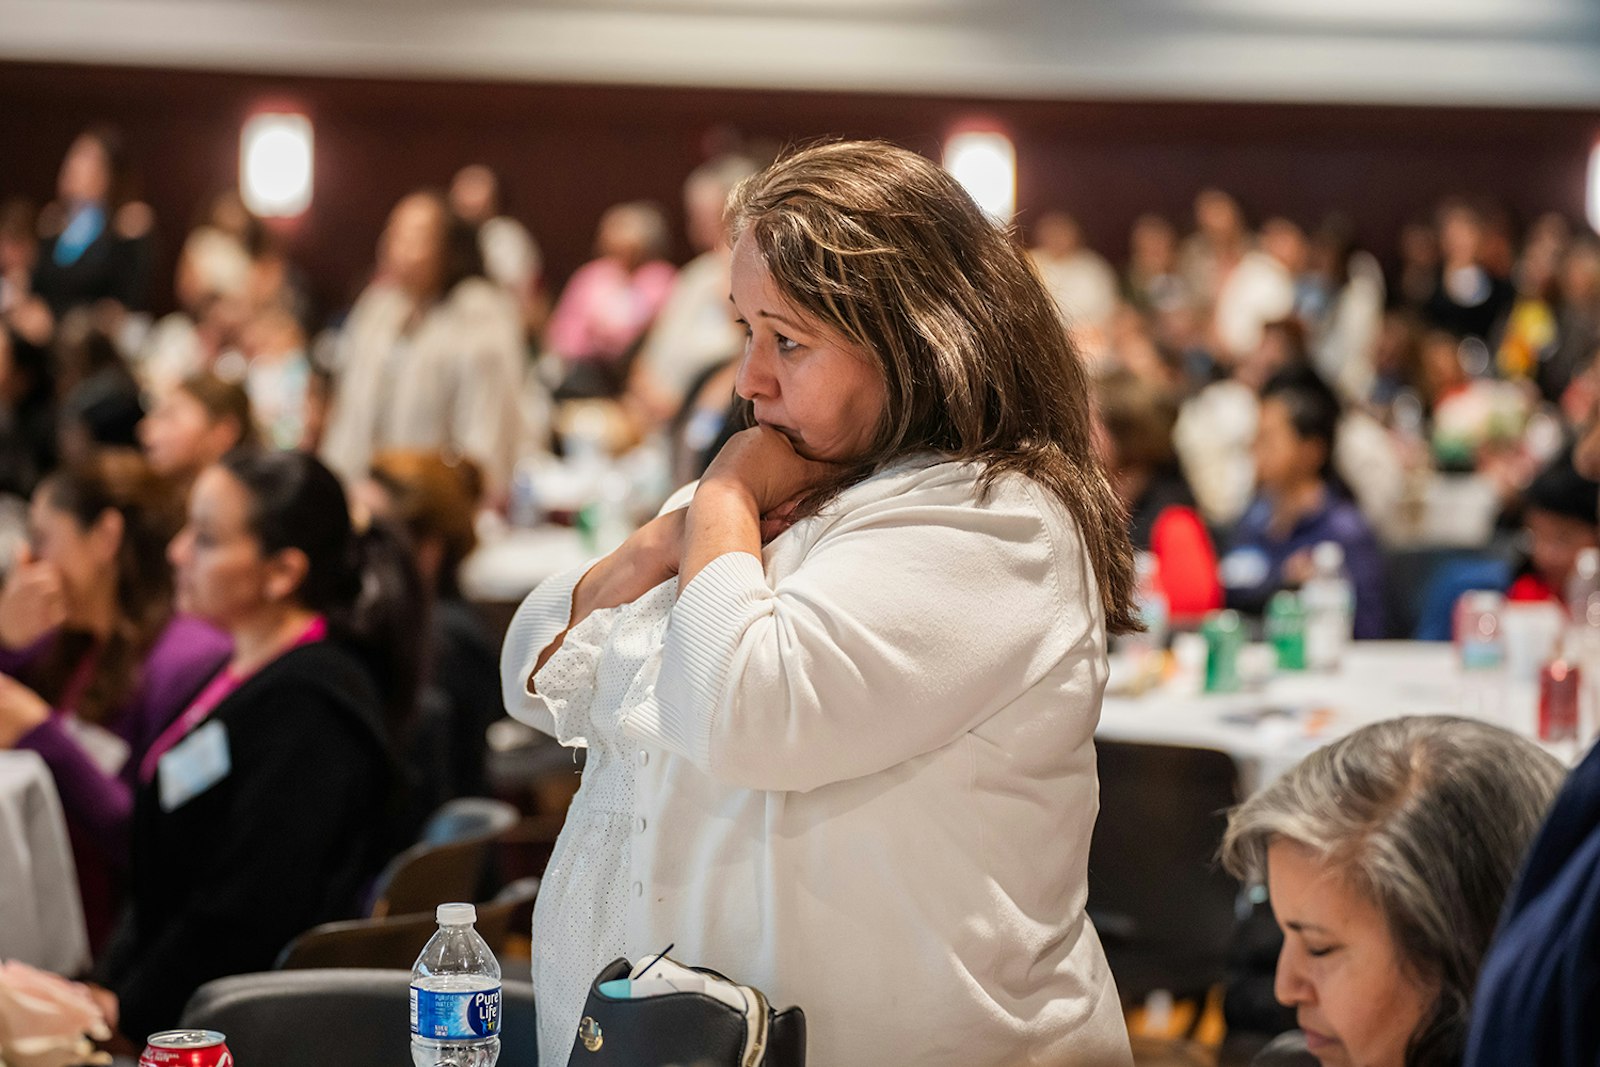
1495,52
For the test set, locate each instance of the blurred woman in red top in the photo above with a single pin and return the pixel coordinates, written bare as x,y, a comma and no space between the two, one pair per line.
1136,419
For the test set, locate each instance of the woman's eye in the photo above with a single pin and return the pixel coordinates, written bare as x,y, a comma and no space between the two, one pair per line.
785,344
1318,953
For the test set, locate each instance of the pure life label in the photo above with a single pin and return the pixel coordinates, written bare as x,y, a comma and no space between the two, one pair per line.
455,1016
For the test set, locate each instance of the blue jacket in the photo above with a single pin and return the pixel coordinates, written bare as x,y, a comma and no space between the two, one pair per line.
1538,999
1253,568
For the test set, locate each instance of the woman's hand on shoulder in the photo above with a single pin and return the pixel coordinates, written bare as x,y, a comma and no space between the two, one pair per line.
762,465
33,601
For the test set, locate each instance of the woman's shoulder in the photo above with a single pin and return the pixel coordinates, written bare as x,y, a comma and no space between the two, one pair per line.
313,680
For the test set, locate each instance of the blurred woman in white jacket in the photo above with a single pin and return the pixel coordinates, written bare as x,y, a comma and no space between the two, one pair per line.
840,707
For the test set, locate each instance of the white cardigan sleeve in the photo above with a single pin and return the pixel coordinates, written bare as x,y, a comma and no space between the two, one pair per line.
903,628
542,616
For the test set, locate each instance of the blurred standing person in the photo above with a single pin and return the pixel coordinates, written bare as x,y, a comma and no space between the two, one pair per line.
512,259
211,281
695,330
96,664
1220,240
432,354
611,301
1576,332
19,256
1079,280
1259,289
1468,300
1152,281
1418,276
99,244
1531,325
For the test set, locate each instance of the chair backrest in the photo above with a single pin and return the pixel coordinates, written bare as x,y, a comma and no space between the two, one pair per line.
354,1018
396,940
449,863
1163,907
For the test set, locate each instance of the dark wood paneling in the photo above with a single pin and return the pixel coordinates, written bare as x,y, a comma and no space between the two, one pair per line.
569,151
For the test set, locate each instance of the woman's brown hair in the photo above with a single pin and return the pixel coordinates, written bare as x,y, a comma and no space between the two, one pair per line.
116,480
885,248
434,497
224,400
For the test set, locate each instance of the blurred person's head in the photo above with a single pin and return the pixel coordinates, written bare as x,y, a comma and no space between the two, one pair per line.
1282,346
212,266
425,250
887,316
103,525
195,424
1560,511
19,238
1057,234
1218,216
1153,245
269,535
1286,242
705,199
93,168
1137,417
436,500
1419,245
1461,233
1387,856
1296,432
1398,350
227,213
633,234
1580,275
1539,268
1442,370
24,372
475,194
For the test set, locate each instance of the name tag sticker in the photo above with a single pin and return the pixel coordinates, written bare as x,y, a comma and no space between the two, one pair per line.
194,765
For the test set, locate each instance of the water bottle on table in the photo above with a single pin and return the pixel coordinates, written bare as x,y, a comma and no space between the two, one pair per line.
455,995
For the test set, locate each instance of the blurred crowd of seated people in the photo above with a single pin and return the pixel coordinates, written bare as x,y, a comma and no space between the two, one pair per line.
1263,385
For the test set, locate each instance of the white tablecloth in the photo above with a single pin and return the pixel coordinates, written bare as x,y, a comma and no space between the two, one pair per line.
1270,730
507,567
41,916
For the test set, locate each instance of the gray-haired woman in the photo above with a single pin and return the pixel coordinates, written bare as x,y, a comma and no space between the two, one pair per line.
1388,855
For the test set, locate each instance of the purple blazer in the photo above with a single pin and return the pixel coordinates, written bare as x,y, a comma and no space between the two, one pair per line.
184,658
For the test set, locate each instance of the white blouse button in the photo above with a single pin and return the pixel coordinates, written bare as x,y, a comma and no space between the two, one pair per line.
644,758
639,824
638,889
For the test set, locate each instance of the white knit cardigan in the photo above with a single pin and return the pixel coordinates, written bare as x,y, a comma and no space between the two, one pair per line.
867,782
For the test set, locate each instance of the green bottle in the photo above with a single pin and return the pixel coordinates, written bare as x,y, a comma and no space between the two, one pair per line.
1224,634
1286,630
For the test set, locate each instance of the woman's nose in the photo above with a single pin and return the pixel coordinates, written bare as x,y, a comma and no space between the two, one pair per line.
754,380
1289,984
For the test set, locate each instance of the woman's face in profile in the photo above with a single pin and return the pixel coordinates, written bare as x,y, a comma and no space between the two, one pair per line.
1340,969
821,392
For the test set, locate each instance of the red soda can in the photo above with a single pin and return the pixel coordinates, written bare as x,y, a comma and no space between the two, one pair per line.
186,1048
1558,701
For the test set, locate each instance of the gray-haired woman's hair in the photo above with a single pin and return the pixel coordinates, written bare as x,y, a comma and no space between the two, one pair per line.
1429,817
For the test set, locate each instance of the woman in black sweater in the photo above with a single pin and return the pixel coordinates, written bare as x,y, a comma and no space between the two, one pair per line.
269,803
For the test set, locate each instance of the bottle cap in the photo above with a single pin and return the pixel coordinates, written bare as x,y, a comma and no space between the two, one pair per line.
456,914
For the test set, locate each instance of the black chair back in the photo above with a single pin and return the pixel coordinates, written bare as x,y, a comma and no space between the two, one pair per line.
1163,907
354,1018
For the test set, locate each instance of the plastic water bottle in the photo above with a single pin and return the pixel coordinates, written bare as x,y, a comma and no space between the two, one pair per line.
455,995
1329,608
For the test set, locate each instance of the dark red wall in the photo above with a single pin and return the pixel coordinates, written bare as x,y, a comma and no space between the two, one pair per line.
569,151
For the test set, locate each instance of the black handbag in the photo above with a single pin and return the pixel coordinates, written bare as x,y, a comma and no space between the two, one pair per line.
687,1029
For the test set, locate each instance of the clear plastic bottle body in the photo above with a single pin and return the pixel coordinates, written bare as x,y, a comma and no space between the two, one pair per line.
455,999
1329,605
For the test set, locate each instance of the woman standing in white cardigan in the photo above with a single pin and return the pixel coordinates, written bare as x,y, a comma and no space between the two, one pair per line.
840,708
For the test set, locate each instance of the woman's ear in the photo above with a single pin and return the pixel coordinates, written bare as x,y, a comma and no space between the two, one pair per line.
106,535
286,573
